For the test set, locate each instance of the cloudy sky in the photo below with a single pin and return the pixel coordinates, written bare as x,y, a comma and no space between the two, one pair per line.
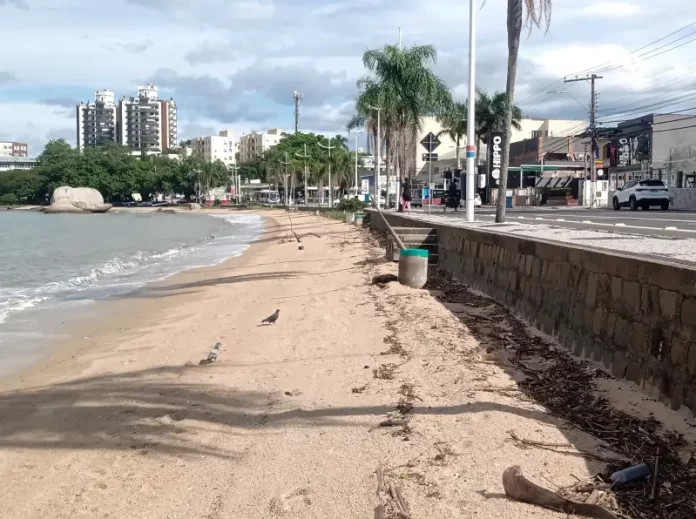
235,63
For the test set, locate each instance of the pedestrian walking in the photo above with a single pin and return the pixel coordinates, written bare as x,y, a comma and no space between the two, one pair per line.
406,197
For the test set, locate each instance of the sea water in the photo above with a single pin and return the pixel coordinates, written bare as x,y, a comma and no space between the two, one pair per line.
67,261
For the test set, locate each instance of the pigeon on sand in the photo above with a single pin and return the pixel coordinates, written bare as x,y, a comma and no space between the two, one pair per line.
271,319
213,355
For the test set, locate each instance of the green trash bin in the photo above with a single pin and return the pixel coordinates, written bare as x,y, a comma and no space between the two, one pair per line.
413,267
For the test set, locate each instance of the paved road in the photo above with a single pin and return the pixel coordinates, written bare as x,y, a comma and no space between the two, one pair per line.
656,223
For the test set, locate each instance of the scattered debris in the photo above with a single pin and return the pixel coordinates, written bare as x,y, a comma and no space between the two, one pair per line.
404,406
385,371
561,448
393,423
408,390
300,247
566,387
383,279
299,237
360,389
519,488
392,501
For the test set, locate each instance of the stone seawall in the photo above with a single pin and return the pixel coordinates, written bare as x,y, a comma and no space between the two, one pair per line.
636,316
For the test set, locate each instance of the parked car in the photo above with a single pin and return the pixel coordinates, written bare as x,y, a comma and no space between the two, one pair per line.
416,198
642,193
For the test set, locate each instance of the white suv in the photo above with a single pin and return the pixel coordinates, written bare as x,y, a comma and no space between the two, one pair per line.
642,193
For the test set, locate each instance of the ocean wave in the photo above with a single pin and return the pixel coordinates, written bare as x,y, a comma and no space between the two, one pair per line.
139,267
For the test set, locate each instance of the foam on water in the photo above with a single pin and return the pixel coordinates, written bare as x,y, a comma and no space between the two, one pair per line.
129,271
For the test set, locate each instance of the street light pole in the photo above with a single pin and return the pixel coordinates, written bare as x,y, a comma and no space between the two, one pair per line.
329,147
286,163
305,157
471,115
378,194
356,132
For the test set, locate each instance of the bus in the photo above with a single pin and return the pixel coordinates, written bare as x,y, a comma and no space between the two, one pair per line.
266,196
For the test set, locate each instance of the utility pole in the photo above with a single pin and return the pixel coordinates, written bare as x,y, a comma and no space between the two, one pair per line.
286,163
356,132
329,147
593,128
297,96
305,157
471,118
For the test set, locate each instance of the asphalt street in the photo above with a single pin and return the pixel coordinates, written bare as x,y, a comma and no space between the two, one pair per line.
655,223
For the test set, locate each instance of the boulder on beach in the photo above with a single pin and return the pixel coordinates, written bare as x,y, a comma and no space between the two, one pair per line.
81,200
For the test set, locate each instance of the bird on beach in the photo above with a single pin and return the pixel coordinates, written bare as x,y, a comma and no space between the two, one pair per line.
213,355
271,319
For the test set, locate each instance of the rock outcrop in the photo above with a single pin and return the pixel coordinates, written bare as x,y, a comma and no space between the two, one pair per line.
80,200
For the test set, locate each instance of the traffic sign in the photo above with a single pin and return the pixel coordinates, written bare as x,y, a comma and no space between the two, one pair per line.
430,142
429,157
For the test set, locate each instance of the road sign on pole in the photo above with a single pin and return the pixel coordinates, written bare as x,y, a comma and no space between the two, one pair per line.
429,157
430,142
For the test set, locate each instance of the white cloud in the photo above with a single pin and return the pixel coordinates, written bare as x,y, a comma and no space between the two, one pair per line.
611,9
235,63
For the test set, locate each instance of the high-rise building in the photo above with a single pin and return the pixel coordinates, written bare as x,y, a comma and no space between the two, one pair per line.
223,147
96,122
14,149
253,144
146,123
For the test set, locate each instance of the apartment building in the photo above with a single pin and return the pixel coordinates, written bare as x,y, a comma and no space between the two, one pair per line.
14,149
146,123
96,122
9,163
252,145
223,147
535,128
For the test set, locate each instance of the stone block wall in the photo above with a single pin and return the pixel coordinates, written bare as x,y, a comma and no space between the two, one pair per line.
634,315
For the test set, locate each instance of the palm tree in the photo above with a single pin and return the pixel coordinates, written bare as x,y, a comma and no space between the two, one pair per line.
404,87
454,124
520,13
491,111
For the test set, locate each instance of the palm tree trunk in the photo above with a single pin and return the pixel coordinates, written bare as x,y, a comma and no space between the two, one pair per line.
514,28
387,151
458,153
478,148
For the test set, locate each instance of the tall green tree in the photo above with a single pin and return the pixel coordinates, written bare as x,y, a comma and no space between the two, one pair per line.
491,113
530,13
454,125
402,84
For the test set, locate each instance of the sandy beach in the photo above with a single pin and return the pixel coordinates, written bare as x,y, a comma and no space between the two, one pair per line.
122,421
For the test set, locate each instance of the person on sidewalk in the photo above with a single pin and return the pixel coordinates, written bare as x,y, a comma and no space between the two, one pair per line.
451,199
406,197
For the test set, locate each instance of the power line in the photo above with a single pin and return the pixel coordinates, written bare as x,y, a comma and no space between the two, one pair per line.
560,81
659,53
682,98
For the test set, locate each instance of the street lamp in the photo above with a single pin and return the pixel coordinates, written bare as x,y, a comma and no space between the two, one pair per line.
356,132
378,193
571,95
329,147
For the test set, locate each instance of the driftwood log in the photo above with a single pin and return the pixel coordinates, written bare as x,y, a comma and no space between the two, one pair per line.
519,488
